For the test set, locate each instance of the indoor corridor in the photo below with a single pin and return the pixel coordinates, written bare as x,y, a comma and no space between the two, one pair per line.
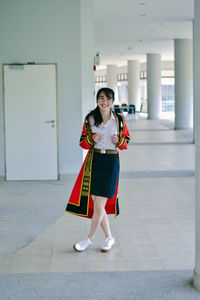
155,228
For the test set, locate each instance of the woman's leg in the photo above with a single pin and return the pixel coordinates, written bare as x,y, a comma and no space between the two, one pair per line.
99,212
105,225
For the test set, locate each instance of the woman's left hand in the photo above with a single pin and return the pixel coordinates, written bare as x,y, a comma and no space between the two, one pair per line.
115,138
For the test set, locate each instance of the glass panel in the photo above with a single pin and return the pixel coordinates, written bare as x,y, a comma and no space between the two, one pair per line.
167,73
99,85
122,87
167,88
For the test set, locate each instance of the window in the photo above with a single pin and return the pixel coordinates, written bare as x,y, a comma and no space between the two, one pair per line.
99,85
167,90
122,87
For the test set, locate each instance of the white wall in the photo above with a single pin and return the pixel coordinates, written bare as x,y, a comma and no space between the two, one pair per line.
87,55
50,31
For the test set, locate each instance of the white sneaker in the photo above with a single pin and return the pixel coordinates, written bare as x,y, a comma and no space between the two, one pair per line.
82,245
108,243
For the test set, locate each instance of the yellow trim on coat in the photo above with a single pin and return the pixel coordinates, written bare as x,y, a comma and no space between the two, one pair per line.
89,140
75,213
88,199
117,121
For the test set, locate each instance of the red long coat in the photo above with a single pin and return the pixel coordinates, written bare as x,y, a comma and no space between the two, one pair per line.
80,202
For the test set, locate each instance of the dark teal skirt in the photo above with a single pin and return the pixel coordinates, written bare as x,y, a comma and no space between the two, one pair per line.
105,174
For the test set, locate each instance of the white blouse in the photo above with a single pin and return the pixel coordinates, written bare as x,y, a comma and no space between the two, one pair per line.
107,130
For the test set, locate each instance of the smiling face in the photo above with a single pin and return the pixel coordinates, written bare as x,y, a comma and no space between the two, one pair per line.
104,103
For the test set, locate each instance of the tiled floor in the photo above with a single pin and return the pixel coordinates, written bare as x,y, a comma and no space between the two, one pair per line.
155,230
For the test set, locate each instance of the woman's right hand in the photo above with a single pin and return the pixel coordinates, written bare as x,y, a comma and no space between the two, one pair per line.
97,137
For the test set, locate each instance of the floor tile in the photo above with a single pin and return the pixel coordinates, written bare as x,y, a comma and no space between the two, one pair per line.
155,229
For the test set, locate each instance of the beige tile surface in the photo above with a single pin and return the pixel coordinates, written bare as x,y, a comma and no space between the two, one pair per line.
155,230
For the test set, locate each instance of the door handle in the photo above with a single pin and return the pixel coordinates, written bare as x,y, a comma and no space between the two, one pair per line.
52,121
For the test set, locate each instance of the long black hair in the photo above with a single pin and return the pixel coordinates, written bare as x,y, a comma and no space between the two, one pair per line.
109,93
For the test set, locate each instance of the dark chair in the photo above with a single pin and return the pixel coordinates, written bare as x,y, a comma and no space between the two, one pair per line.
131,109
124,107
117,109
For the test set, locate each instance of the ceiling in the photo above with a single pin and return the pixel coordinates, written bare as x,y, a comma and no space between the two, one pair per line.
129,29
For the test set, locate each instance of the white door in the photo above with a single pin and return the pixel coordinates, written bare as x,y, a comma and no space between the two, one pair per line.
30,122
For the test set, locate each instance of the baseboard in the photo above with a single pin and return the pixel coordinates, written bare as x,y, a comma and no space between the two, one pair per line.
65,177
196,281
2,178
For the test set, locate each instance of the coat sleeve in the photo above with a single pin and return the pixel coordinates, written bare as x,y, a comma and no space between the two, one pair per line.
124,139
86,141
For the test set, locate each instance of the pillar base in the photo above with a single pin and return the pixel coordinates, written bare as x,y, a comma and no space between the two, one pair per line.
196,280
153,118
182,128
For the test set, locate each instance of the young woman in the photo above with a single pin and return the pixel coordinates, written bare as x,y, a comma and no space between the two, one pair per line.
95,192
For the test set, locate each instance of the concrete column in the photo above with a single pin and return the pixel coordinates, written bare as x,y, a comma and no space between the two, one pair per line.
134,83
153,85
196,37
183,83
112,80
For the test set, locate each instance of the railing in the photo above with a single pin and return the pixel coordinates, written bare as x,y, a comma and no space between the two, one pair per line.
123,109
